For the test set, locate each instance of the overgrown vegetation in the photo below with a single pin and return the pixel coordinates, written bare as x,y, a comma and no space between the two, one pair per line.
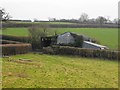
82,52
35,34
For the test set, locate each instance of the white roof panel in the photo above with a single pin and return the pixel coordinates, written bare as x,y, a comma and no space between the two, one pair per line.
94,44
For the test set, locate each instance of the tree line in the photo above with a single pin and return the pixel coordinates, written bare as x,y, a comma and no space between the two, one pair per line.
84,19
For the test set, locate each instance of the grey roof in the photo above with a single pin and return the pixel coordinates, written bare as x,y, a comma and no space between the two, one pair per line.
94,44
74,34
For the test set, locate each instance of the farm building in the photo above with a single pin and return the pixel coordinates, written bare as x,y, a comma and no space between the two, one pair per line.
87,44
47,41
70,38
64,39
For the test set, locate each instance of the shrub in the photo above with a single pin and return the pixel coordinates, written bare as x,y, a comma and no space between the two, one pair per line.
83,52
35,34
13,49
48,50
79,41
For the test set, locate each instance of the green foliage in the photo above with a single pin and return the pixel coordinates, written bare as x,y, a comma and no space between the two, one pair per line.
78,41
52,71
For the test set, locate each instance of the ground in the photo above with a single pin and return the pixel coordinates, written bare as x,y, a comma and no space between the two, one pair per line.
52,71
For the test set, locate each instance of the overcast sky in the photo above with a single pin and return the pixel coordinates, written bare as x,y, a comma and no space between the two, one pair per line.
43,9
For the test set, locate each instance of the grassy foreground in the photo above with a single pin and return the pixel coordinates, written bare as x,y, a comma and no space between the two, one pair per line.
106,36
47,71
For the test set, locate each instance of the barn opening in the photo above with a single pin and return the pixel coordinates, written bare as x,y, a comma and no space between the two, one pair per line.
46,41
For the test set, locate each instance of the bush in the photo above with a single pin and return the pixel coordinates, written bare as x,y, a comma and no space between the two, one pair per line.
35,34
13,49
78,41
83,52
48,50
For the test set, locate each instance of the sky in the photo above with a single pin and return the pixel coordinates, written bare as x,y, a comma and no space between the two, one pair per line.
59,9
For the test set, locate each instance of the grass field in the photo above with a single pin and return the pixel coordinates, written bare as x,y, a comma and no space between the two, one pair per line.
106,36
19,22
49,71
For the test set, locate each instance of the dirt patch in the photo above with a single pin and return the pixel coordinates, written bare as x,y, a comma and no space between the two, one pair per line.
21,75
22,61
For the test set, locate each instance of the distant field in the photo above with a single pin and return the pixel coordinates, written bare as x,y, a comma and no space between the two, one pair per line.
15,31
42,22
50,71
106,36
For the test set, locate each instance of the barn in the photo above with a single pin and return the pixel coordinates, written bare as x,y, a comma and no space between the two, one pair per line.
65,38
70,38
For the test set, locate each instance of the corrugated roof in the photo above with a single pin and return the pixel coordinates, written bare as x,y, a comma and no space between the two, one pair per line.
75,34
94,44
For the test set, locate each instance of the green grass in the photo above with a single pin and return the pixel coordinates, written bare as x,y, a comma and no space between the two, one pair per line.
50,71
15,31
106,36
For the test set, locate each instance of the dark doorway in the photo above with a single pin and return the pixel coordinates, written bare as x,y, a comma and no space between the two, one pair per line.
46,41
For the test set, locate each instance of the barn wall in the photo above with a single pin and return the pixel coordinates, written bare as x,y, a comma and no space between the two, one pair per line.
65,39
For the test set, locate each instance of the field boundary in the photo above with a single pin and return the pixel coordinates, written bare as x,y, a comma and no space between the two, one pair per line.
82,52
13,49
6,25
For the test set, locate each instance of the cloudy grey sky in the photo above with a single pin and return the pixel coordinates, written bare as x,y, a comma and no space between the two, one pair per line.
43,9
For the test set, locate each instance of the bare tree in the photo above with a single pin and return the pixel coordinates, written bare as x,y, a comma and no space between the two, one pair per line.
36,33
116,20
101,20
84,18
4,16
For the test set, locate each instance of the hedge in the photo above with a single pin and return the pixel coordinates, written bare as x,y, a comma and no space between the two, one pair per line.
6,25
9,42
13,49
14,38
83,52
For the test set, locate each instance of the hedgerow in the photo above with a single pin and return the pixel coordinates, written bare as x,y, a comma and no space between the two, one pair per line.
82,52
15,38
9,42
13,49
